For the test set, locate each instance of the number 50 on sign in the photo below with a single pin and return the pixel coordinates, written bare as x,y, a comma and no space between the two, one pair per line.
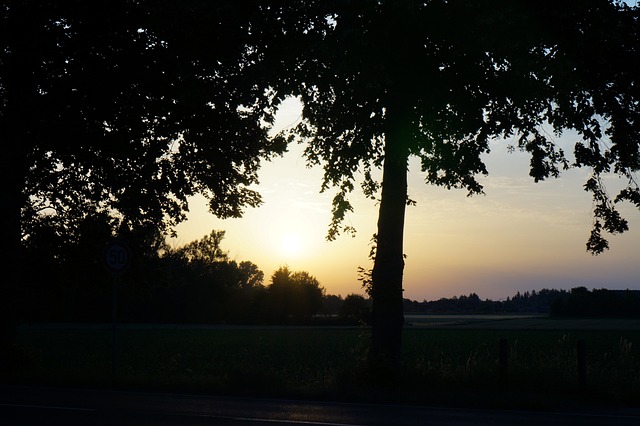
117,257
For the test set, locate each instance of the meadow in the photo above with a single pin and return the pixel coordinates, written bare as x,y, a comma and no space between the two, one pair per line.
447,360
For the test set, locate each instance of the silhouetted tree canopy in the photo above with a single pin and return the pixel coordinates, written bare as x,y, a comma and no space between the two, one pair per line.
122,110
129,107
65,280
356,308
538,302
598,303
205,250
383,81
294,295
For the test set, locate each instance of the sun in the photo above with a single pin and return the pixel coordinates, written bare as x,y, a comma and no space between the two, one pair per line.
292,245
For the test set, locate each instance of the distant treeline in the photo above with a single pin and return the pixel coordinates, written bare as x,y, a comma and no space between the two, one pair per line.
528,302
67,281
578,302
581,302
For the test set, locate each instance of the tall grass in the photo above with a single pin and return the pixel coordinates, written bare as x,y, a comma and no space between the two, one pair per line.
541,363
438,365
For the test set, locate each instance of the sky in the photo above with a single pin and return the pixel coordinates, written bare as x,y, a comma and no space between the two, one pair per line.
520,236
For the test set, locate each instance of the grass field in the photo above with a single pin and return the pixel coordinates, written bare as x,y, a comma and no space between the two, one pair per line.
519,322
453,361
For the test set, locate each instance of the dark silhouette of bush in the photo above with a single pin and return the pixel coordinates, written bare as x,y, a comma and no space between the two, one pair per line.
598,303
293,296
356,308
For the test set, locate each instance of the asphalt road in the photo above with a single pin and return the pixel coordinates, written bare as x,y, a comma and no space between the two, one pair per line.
54,406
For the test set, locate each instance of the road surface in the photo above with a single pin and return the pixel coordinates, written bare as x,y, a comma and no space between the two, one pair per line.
21,405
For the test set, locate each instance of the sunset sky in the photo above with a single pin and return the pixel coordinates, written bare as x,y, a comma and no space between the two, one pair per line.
520,236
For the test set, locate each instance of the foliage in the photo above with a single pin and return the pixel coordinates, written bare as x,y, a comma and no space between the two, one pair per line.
205,250
198,283
331,304
126,109
599,303
528,302
121,111
579,302
194,283
466,73
383,81
356,308
64,278
293,295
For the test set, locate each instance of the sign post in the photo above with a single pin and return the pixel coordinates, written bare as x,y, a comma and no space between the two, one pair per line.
116,259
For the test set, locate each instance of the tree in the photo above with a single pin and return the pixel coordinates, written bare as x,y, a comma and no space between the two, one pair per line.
383,81
294,295
250,276
126,109
331,304
356,308
206,250
211,286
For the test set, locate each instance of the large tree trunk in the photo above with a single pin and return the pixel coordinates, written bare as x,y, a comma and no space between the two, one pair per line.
386,287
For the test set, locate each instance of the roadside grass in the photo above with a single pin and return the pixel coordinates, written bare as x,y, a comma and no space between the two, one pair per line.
440,366
238,361
542,366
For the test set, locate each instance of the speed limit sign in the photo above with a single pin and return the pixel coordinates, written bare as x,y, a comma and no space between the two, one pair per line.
117,257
